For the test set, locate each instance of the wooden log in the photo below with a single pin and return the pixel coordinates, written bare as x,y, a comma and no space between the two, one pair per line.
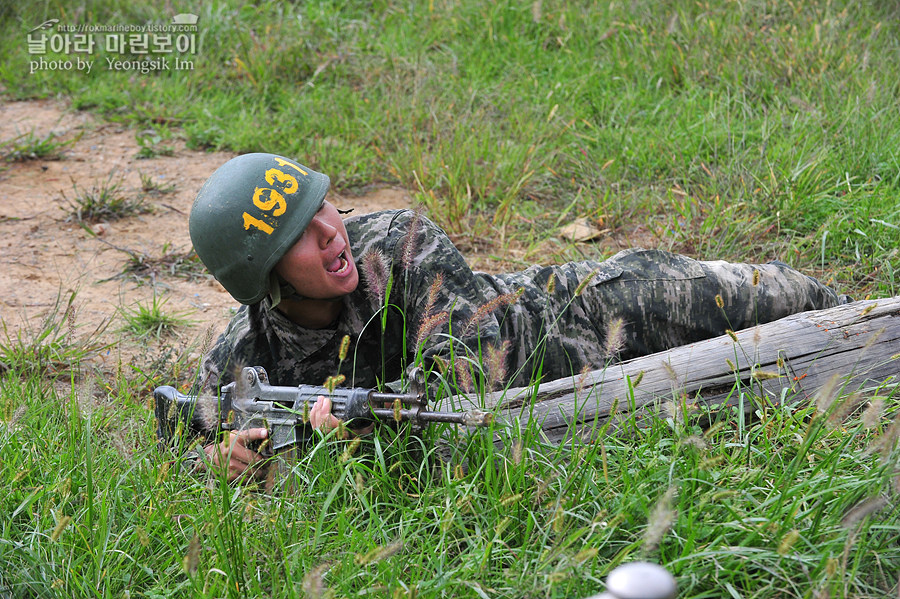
857,345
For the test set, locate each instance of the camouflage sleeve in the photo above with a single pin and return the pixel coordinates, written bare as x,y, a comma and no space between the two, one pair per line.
214,366
451,311
236,347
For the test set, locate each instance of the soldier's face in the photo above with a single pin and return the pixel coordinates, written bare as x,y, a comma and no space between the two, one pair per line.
319,265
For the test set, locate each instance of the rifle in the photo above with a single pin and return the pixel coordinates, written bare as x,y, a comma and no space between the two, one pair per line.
251,402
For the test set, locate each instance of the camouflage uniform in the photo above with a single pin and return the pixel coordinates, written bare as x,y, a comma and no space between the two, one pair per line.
542,323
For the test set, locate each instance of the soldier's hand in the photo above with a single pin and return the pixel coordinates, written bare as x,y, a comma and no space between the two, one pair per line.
320,416
232,453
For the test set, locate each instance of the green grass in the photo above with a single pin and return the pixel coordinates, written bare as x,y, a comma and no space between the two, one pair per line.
51,345
741,130
796,504
146,320
104,201
29,146
153,187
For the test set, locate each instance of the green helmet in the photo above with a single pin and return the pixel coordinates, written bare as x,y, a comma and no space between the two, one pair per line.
248,214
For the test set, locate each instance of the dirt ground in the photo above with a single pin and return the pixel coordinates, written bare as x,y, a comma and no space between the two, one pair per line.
120,265
47,254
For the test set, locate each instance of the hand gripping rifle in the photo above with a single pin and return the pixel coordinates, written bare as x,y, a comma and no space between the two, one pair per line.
251,402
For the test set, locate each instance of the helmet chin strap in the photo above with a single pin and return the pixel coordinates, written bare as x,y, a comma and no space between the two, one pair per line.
280,289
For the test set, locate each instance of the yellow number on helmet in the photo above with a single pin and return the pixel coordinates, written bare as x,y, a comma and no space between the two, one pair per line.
267,199
286,182
292,165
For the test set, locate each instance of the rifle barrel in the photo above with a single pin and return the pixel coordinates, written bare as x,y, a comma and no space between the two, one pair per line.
470,418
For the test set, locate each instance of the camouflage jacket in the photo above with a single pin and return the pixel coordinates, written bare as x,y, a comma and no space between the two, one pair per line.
418,302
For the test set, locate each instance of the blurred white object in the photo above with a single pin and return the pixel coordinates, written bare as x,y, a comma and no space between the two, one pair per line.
639,580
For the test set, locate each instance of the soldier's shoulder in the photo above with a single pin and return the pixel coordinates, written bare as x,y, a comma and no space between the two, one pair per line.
381,220
244,326
382,228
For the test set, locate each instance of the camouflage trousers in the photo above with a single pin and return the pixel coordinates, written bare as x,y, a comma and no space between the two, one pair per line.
666,300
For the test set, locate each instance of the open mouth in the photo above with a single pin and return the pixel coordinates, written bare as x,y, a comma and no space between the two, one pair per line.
340,265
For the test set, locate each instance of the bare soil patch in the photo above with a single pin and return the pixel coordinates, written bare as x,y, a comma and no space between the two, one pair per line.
120,264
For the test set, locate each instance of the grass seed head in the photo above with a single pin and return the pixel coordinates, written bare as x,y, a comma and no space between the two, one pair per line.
16,418
411,242
861,510
142,536
510,499
755,277
502,525
670,372
334,381
207,340
637,379
787,542
711,462
536,12
586,554
661,520
872,414
496,364
719,301
433,290
884,444
558,520
191,559
376,271
873,339
429,325
71,311
489,306
207,410
517,452
378,554
844,406
464,376
60,527
581,286
583,377
615,337
551,284
314,583
351,449
764,375
345,347
825,396
694,441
